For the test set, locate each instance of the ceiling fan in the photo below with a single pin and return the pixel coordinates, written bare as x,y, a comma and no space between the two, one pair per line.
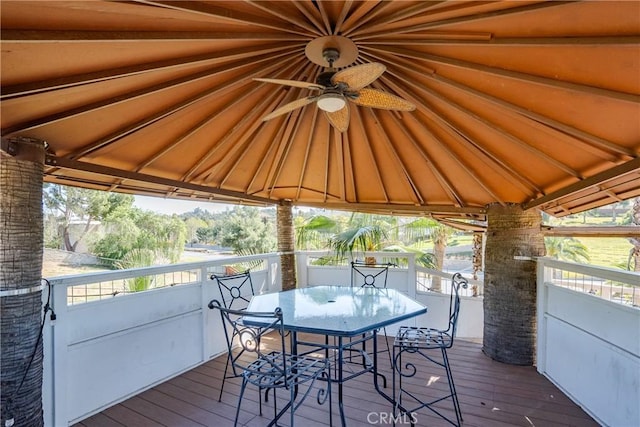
336,87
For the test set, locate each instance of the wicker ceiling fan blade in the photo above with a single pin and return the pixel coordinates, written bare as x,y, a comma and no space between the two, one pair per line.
359,76
298,103
294,83
339,119
377,99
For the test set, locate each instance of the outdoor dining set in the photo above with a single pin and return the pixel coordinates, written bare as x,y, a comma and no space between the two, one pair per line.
323,336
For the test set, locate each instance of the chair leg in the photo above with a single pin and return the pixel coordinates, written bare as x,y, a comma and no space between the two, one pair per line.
224,377
244,385
452,387
386,340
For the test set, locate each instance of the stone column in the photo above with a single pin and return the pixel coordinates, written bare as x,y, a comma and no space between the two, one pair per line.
286,245
21,236
513,238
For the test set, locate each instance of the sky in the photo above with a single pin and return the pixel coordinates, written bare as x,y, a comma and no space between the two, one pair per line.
173,206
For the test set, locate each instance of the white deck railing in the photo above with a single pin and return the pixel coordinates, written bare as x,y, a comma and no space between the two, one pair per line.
589,338
109,344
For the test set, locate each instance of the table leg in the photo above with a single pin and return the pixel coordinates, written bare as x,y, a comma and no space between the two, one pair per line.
396,405
340,362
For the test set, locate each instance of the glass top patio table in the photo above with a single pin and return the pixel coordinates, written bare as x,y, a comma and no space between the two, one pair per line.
343,312
338,310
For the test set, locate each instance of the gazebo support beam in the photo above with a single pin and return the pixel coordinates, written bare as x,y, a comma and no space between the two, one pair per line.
513,238
286,245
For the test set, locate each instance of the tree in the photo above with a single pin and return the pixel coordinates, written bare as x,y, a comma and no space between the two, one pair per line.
314,232
244,229
84,205
137,231
566,248
192,225
365,233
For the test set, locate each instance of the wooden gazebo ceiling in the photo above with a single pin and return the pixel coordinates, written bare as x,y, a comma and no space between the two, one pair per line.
535,103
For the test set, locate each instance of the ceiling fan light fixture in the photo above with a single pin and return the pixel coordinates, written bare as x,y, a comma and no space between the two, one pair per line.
331,102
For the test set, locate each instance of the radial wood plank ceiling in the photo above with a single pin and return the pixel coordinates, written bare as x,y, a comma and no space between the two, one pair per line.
535,103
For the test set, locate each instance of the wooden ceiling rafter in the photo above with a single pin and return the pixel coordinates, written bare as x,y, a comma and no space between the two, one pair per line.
16,35
265,104
304,7
592,143
488,124
407,12
526,185
490,159
364,131
429,38
502,132
273,51
397,163
244,125
401,208
344,12
209,171
622,169
337,143
284,149
484,155
280,14
326,21
446,185
487,39
513,75
185,135
225,14
349,177
365,11
464,167
109,102
474,17
310,140
238,148
327,163
254,187
119,134
63,163
292,122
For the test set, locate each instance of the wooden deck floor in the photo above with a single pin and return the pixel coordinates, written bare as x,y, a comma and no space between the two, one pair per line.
491,394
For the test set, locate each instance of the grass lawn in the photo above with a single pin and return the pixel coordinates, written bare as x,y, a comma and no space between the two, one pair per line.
607,251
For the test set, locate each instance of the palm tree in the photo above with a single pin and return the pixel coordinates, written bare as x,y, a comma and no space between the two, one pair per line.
364,238
21,237
313,233
566,248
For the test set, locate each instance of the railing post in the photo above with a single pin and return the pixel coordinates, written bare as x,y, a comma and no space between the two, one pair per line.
60,347
274,274
205,296
412,277
302,268
541,309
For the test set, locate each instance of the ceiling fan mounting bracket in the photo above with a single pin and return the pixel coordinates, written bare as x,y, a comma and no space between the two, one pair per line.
343,49
331,55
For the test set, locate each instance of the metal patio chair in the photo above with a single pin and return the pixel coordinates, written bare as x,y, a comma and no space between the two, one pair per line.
235,290
366,275
270,369
420,341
